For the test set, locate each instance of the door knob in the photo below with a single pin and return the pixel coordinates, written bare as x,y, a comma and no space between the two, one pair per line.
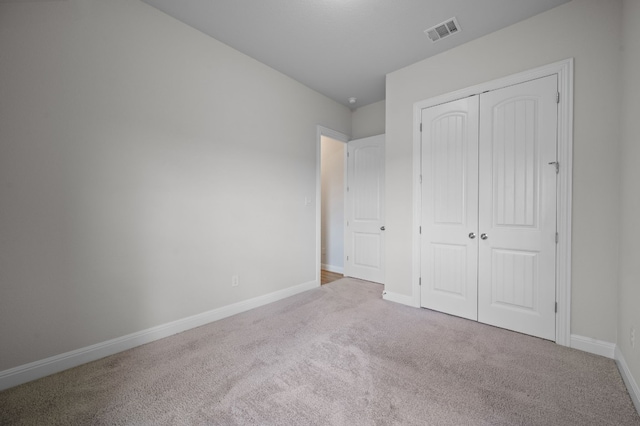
382,228
484,236
472,235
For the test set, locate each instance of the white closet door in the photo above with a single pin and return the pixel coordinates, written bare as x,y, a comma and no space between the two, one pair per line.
449,246
517,207
365,209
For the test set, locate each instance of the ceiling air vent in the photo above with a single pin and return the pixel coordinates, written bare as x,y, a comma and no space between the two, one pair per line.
443,30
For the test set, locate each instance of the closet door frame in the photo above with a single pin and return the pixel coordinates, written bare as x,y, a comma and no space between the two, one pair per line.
564,72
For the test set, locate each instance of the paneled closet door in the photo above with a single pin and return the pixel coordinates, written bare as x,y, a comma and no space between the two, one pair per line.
517,207
449,244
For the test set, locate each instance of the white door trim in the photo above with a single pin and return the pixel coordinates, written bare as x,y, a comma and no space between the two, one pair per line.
330,133
564,71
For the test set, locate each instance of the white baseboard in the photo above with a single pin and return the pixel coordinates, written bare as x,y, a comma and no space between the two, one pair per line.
593,346
332,268
398,298
629,381
45,367
612,351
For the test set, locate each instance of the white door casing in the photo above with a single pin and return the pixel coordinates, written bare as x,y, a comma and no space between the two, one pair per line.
517,207
563,70
364,227
449,207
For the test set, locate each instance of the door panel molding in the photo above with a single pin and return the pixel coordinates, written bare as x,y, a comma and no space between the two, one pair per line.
564,72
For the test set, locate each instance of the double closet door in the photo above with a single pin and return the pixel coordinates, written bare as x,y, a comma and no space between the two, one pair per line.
488,238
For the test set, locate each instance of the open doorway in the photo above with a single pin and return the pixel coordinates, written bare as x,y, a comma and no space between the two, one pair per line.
332,208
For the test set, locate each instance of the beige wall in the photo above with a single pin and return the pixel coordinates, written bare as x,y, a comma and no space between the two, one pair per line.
629,310
142,164
368,120
564,32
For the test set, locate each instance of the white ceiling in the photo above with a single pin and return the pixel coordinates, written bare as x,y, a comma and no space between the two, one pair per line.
344,48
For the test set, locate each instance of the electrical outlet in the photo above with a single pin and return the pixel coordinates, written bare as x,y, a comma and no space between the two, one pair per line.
632,337
235,281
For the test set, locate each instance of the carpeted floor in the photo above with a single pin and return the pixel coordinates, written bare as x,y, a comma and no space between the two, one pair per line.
336,355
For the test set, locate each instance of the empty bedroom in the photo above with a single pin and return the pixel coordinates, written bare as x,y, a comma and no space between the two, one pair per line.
165,238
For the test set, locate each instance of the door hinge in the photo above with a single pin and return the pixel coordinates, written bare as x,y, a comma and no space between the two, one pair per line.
348,154
557,238
558,97
420,281
420,127
347,223
556,307
347,257
420,229
420,179
347,189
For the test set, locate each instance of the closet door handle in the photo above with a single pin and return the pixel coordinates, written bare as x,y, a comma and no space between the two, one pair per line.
472,235
484,236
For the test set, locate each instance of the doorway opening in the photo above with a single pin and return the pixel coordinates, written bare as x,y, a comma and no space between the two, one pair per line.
332,207
325,257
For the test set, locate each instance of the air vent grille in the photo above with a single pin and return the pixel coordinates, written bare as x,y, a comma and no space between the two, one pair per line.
443,30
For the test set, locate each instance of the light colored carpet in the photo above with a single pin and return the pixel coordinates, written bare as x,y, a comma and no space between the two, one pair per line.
336,355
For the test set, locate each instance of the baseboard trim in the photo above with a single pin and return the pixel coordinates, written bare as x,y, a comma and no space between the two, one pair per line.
45,367
610,350
627,377
398,298
593,346
332,268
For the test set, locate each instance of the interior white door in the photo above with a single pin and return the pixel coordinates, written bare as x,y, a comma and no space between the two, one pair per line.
517,207
450,207
364,234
